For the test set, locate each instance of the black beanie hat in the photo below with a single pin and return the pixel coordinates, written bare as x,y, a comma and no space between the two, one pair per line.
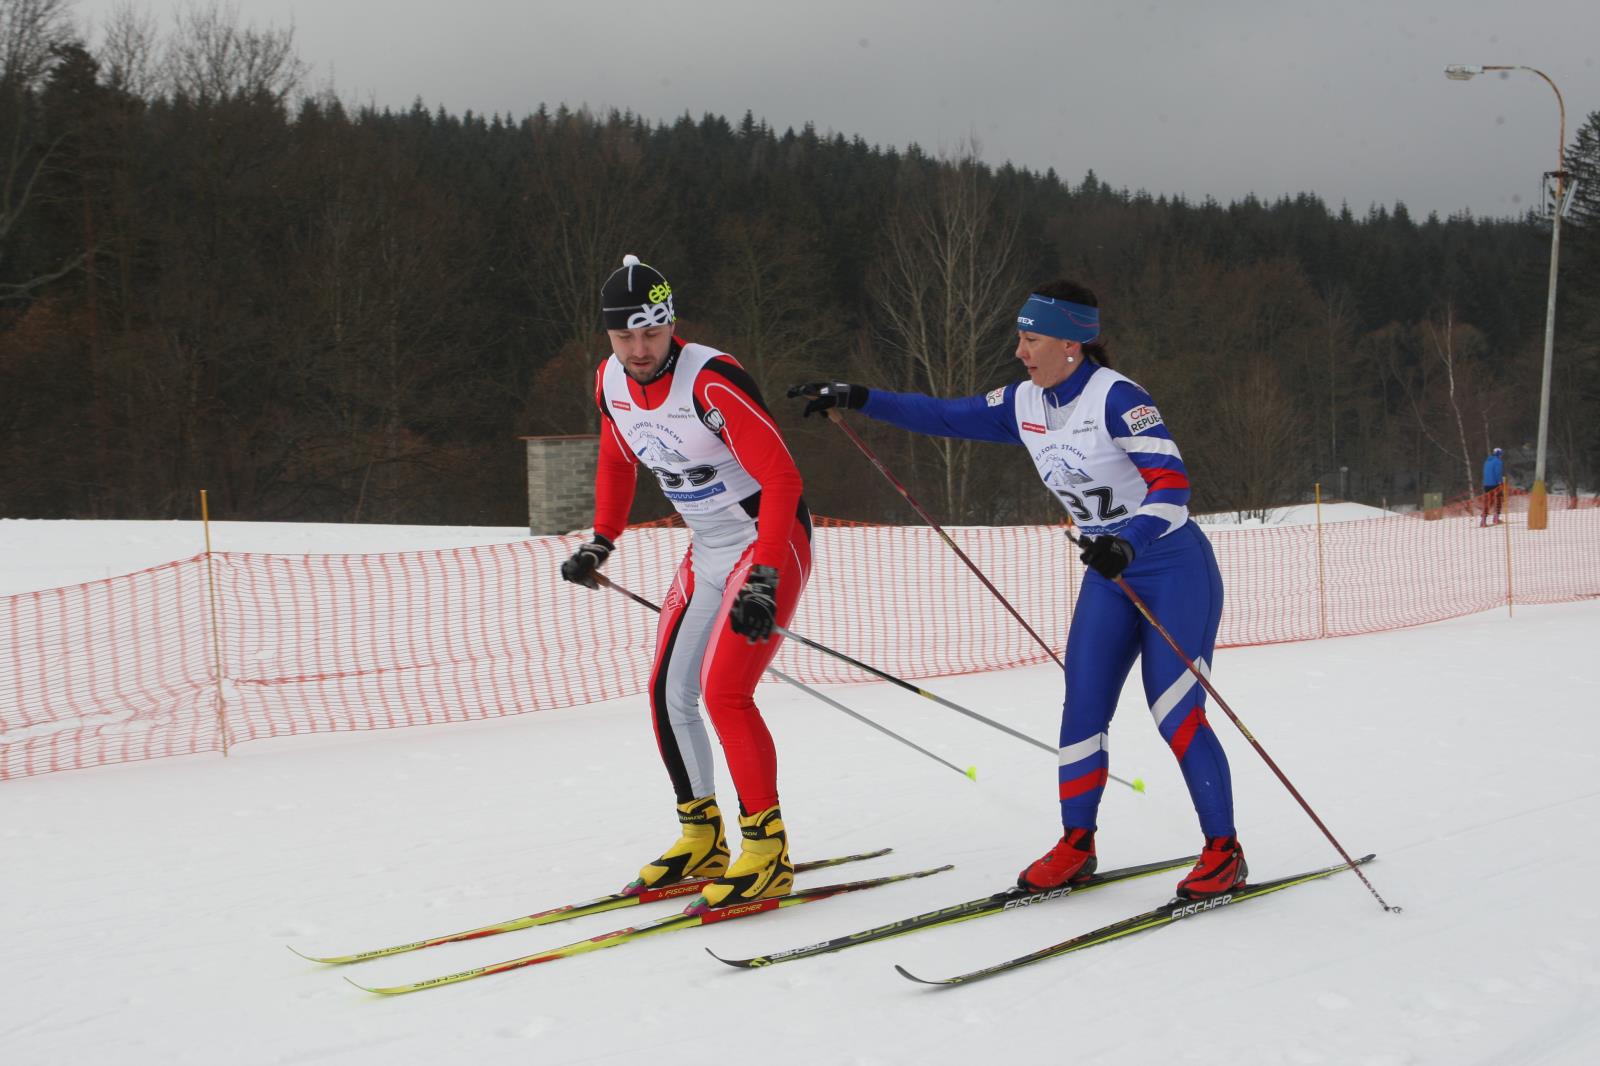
636,296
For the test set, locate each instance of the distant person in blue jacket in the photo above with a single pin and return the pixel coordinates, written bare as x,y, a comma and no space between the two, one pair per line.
1103,450
1494,496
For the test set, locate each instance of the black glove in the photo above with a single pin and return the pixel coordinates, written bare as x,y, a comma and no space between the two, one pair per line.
1109,556
755,608
586,560
830,394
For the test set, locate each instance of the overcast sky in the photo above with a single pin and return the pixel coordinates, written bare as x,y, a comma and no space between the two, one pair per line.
1342,98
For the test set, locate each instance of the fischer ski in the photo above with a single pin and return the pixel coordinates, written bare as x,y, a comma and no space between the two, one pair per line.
668,924
598,905
1172,911
1007,900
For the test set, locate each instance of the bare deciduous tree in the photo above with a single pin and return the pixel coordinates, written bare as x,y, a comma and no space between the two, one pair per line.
772,283
946,286
1444,340
1264,431
587,199
212,57
28,31
1434,366
130,51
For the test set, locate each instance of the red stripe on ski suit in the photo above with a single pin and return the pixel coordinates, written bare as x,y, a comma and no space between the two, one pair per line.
1079,785
1195,722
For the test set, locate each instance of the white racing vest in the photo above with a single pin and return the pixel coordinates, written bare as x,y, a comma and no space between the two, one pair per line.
1076,458
699,474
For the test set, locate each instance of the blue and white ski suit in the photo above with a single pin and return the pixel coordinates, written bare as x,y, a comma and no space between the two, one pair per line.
1101,447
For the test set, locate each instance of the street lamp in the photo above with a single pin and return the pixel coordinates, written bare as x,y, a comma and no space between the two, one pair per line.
1538,508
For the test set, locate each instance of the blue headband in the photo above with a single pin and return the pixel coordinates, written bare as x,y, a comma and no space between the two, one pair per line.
1059,318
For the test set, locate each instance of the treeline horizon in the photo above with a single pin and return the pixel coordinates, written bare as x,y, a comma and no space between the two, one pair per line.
323,313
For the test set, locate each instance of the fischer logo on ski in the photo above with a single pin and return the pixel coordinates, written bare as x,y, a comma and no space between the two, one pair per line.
1040,897
1202,905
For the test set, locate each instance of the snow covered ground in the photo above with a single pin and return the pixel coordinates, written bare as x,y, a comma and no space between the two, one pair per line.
146,908
42,554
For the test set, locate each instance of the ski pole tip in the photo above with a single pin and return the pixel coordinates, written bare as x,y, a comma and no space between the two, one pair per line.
972,772
1138,784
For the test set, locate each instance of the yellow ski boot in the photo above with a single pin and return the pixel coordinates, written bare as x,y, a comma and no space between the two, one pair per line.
763,869
702,850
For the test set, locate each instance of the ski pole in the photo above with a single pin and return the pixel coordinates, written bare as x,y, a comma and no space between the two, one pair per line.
970,772
855,438
940,700
908,686
1139,603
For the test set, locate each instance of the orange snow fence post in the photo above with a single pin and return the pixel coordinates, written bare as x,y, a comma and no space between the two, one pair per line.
216,628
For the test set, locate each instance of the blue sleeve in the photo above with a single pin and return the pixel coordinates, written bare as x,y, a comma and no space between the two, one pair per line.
1149,446
970,418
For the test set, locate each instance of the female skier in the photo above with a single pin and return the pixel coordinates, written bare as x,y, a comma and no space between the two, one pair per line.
1101,447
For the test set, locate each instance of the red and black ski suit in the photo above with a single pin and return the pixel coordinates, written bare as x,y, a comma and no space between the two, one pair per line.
702,428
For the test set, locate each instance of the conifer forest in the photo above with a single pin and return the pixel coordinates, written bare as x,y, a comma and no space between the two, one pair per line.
214,275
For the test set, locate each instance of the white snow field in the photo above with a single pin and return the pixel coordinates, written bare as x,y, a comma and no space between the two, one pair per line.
146,909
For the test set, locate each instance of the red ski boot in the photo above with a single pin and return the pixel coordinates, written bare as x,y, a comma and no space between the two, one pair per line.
1071,859
1220,869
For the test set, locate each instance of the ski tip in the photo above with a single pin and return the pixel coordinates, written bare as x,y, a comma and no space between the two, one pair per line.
818,864
929,872
395,990
738,964
324,960
909,976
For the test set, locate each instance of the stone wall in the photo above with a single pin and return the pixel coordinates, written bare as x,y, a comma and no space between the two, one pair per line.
560,483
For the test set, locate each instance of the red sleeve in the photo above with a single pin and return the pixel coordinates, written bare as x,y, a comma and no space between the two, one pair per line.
614,472
751,434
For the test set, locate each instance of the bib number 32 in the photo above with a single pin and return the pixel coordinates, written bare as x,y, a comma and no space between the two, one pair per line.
1103,509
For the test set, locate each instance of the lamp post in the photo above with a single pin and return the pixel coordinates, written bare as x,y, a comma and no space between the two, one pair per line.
1538,507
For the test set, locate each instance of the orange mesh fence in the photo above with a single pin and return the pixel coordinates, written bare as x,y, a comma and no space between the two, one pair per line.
107,672
126,669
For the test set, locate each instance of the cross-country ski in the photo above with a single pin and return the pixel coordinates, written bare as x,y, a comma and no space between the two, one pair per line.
567,912
671,923
1174,911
